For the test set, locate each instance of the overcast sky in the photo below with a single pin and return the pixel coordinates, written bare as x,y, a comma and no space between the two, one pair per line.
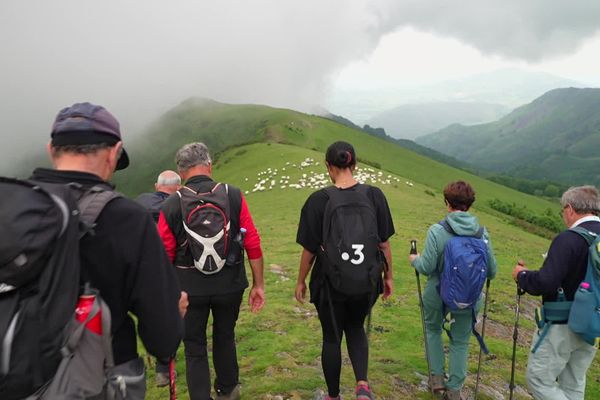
141,57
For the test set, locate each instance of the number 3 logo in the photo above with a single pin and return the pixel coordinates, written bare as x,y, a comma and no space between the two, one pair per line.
357,252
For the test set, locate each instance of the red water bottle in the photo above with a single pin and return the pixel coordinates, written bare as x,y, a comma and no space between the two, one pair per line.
82,311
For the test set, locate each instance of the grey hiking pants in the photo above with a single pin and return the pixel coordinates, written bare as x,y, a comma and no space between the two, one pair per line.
556,371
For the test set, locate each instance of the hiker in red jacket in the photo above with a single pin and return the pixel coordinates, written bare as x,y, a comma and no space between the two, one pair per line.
205,228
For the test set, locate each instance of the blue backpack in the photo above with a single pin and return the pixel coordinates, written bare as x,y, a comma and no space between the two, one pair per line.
584,318
464,274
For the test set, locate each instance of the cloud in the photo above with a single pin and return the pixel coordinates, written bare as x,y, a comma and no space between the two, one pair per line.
532,30
141,57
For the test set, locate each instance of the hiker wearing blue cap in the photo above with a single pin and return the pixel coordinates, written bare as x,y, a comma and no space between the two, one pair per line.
124,258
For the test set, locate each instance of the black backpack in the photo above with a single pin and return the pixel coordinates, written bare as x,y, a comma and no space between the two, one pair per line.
40,276
206,221
351,258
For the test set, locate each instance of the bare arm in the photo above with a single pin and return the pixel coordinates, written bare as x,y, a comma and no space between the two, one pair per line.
388,276
256,300
306,262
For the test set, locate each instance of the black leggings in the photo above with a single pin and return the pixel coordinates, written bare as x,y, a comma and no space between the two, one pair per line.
350,316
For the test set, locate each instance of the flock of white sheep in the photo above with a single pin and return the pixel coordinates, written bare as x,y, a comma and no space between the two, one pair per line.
311,177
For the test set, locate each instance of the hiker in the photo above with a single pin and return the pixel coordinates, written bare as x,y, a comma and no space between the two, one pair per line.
167,183
557,368
342,305
123,258
458,197
206,244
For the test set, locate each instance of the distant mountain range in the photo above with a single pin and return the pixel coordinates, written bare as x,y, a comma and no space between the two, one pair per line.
508,87
406,143
557,137
410,121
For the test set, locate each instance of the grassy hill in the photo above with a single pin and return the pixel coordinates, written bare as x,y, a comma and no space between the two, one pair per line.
279,348
554,138
222,126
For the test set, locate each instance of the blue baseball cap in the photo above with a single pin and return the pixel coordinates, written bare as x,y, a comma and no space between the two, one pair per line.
87,123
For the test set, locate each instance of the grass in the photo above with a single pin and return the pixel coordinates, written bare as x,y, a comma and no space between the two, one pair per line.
279,349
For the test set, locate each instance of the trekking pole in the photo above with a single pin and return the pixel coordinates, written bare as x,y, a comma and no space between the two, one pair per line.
487,293
515,336
413,250
172,386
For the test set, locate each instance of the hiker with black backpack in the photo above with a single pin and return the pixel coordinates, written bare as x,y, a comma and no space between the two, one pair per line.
457,259
105,241
344,231
564,345
206,227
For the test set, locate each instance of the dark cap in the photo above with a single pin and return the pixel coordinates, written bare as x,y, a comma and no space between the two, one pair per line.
86,123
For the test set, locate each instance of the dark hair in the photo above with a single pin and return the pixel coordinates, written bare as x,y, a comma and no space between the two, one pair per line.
459,195
341,155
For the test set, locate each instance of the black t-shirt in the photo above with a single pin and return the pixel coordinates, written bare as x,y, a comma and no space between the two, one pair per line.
310,228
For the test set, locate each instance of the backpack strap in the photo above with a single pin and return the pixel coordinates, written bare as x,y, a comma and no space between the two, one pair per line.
552,312
91,204
477,335
446,225
447,322
584,233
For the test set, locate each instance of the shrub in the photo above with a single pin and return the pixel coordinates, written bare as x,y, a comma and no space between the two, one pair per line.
549,220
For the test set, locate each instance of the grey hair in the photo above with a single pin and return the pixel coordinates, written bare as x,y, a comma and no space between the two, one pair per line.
192,154
80,148
583,199
168,178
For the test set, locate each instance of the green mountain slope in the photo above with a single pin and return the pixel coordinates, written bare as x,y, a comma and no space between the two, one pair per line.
279,348
554,137
222,126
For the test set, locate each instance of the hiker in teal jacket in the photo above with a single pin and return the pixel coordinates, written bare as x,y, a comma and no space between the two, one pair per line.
458,197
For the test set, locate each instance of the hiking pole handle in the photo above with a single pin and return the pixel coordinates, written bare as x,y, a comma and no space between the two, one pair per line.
413,246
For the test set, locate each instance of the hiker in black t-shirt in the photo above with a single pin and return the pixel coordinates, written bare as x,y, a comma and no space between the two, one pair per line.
341,313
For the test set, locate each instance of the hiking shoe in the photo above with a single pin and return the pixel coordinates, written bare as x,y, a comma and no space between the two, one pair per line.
437,383
363,392
453,395
233,395
162,379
